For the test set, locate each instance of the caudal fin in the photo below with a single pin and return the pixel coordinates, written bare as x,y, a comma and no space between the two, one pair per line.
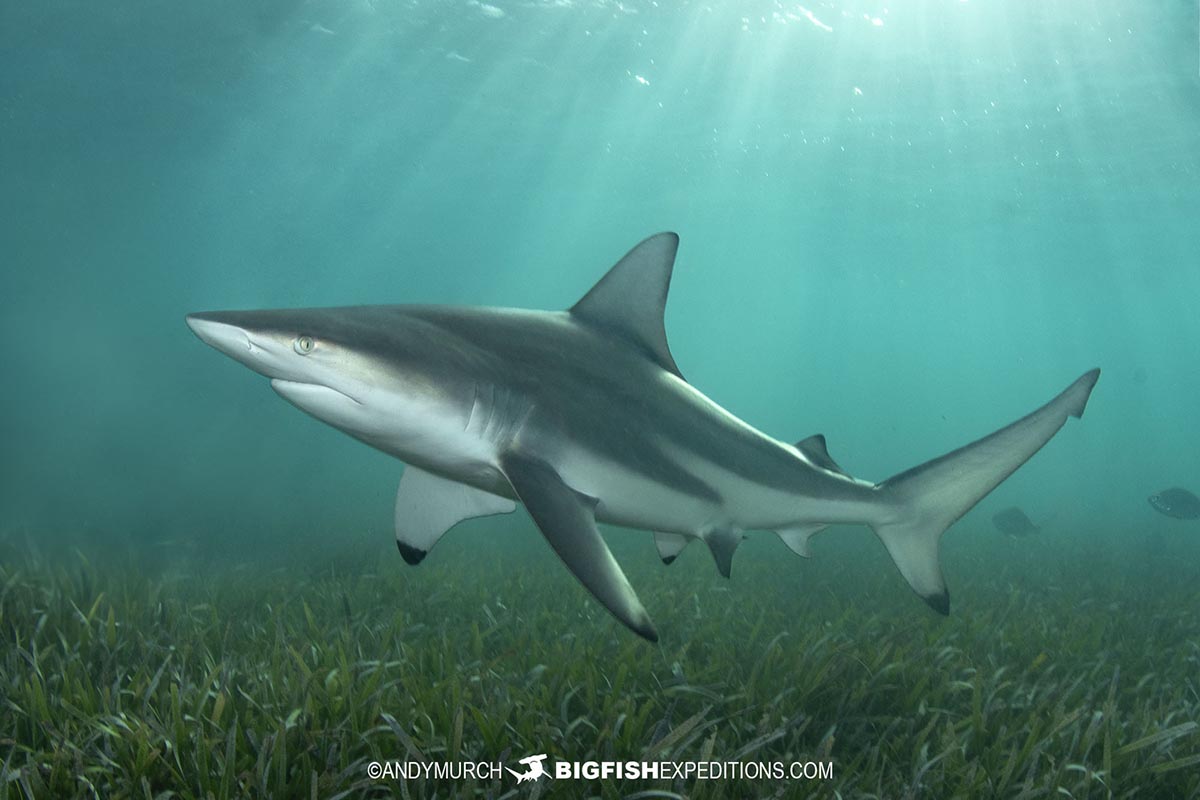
928,499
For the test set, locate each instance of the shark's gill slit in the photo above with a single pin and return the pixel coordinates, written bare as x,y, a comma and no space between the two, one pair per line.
474,406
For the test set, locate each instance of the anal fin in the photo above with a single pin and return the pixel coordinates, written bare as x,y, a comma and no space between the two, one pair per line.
796,538
428,505
567,519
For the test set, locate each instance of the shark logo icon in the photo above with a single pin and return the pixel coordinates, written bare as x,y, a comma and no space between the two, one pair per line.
535,771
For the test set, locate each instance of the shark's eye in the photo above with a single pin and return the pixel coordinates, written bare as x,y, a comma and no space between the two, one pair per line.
303,345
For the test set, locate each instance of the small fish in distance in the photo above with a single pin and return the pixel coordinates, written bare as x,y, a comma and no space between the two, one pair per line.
1176,502
1014,522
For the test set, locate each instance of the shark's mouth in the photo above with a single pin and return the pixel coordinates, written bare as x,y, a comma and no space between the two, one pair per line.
309,394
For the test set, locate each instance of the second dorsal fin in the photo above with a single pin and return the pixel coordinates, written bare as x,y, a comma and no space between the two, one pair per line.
814,450
629,300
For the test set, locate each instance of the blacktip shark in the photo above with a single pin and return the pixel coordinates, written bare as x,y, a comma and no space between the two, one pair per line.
583,416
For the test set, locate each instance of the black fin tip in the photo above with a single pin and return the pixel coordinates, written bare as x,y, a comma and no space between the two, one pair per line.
412,555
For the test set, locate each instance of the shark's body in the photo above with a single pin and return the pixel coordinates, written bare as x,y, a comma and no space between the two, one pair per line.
582,415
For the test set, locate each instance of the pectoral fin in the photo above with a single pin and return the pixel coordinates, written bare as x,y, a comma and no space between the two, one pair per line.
566,518
428,505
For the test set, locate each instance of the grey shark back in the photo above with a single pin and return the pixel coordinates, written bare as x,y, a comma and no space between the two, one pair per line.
583,416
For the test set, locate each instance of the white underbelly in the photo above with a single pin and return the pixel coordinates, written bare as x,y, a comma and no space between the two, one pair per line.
442,439
632,500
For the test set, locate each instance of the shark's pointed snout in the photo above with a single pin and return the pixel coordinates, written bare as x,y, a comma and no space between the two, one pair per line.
213,330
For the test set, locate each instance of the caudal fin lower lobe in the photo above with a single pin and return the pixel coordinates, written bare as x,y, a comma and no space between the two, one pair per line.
926,500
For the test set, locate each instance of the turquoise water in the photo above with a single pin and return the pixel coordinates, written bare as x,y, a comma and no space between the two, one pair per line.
902,226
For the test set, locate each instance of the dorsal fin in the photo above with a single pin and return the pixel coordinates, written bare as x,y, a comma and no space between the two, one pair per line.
629,300
814,449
